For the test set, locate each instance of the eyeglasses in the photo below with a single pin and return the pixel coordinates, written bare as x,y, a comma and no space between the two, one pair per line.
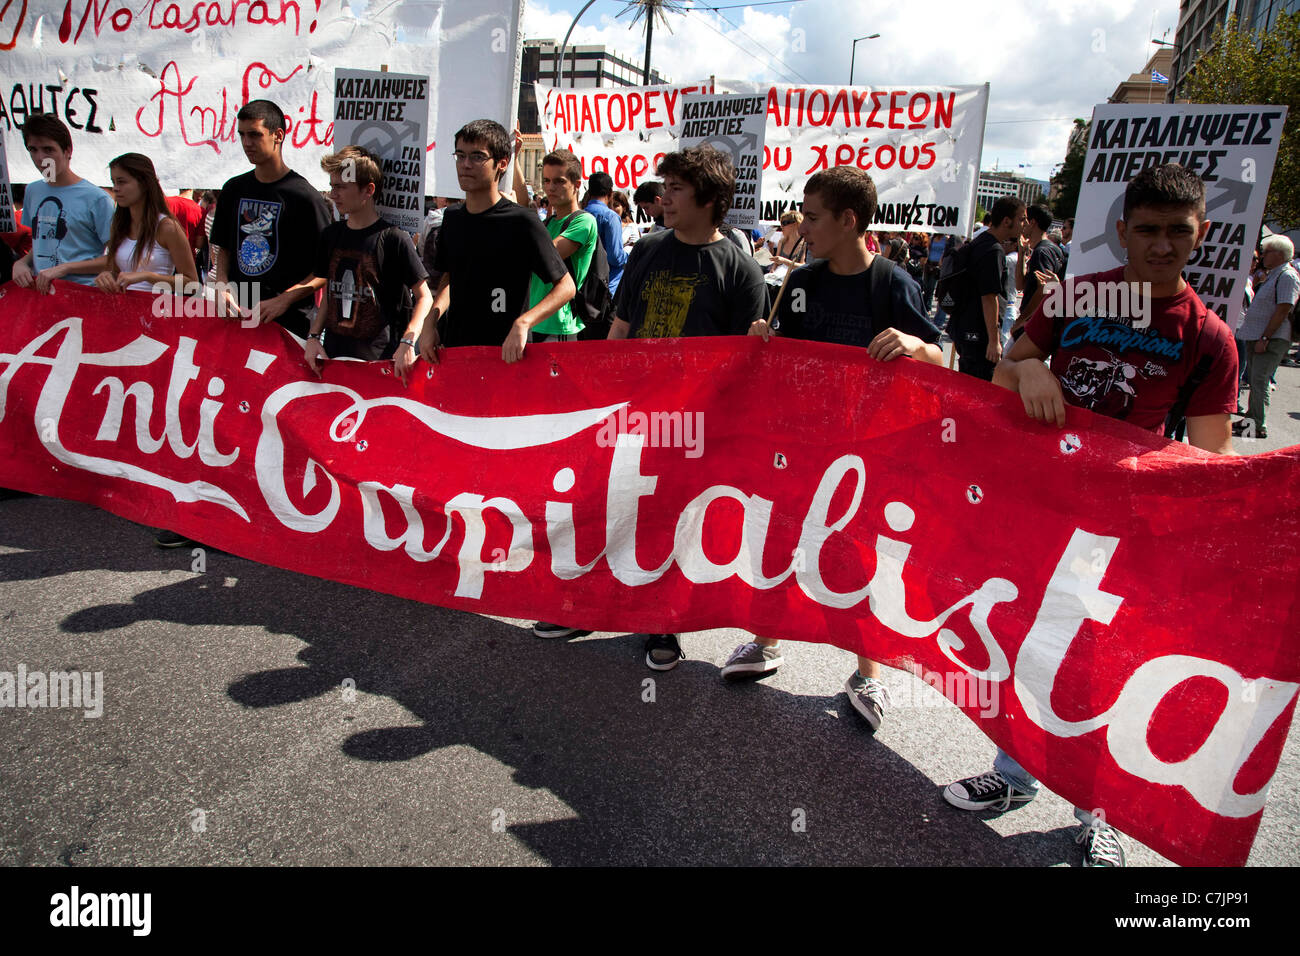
474,159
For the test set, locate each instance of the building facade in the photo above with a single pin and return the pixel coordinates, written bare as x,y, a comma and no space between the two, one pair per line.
1143,87
993,185
1197,20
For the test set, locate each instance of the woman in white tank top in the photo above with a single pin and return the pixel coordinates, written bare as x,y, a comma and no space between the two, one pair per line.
146,245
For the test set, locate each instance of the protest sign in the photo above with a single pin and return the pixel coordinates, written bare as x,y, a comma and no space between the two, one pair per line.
921,145
478,77
8,222
167,80
388,114
735,125
1232,148
726,482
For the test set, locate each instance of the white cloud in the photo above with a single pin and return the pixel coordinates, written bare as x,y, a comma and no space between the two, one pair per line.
1041,59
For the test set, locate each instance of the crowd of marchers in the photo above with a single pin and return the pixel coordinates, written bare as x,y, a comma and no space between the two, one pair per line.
506,269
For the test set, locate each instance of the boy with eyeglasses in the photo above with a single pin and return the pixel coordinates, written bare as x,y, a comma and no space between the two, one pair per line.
488,250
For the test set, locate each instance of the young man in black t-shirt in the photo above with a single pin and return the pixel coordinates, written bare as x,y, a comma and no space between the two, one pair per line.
849,296
688,280
266,225
364,264
488,249
1037,254
974,323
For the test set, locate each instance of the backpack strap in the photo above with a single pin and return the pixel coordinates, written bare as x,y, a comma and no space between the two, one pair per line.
1178,411
879,276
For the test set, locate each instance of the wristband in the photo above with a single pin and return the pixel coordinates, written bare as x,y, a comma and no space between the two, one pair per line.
319,336
408,342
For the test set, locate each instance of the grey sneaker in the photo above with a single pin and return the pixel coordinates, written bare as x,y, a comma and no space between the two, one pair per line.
662,652
543,629
752,660
988,791
868,696
1101,845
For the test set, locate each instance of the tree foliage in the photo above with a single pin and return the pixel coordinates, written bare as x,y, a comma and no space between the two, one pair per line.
1069,178
1243,67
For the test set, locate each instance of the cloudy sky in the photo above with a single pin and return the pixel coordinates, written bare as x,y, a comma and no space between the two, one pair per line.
1046,61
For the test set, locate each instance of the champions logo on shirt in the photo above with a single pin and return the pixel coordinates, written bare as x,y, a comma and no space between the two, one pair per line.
1099,377
259,221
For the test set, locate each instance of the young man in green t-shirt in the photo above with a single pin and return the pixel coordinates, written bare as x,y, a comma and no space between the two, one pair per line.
575,236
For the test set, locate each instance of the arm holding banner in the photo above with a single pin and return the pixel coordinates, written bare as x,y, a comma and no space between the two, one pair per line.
1210,432
23,274
274,307
86,267
227,307
1023,371
405,355
512,350
172,238
428,334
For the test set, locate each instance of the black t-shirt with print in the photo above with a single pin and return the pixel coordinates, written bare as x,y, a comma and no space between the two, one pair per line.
269,232
671,289
821,306
367,271
490,256
1046,257
987,263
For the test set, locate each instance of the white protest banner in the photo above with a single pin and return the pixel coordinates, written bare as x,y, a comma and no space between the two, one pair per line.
8,222
167,79
388,114
921,145
623,131
478,77
734,124
1232,148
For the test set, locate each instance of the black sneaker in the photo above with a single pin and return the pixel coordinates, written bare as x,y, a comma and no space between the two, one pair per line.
662,652
1101,845
988,791
542,629
170,539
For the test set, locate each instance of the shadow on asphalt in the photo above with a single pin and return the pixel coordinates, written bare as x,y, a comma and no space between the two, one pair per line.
707,773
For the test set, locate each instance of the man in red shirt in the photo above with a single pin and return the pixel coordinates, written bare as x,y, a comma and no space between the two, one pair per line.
1134,343
190,215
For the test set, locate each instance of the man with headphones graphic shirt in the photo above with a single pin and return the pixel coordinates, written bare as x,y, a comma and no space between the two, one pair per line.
69,216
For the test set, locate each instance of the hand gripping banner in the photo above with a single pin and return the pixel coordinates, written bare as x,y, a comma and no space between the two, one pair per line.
1129,604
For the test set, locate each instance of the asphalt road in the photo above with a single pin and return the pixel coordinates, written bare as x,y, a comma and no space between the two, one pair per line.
229,734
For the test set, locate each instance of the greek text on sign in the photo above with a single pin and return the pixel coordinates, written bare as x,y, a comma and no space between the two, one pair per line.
1232,148
735,125
388,114
921,145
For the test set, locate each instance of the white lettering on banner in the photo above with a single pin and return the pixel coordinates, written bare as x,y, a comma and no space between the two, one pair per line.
1072,596
54,394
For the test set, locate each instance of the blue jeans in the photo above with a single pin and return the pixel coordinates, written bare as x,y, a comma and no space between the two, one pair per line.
1021,779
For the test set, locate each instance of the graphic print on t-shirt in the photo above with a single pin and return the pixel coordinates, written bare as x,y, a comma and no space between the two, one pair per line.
259,221
668,300
49,225
350,302
1109,385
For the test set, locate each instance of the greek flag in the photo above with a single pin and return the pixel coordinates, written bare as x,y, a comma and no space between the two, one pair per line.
1158,77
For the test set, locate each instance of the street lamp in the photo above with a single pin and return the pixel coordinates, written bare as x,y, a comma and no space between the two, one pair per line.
854,55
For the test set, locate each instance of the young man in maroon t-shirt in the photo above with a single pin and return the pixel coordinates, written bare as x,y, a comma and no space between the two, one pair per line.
1124,343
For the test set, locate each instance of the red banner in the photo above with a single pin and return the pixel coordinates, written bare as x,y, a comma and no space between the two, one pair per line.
1118,612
